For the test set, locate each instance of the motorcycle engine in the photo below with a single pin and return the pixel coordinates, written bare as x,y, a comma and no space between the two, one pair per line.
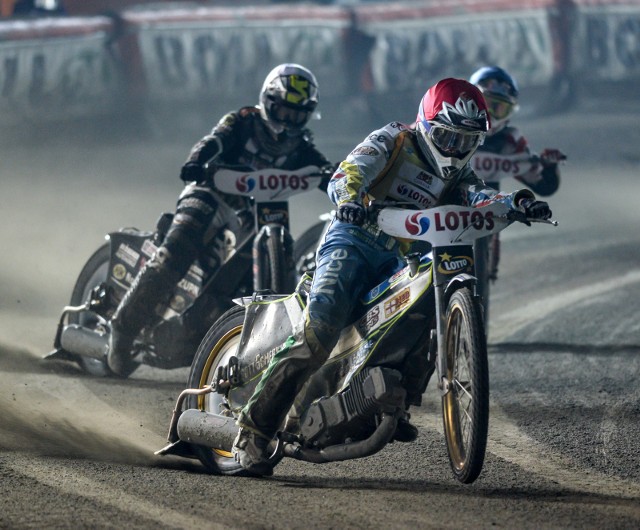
351,414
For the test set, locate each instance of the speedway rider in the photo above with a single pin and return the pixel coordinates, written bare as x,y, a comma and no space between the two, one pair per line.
269,135
505,151
425,166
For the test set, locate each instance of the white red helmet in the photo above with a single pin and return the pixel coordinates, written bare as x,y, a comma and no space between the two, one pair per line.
288,97
452,123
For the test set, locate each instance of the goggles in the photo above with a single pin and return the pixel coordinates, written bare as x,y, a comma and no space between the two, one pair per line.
452,141
288,115
499,109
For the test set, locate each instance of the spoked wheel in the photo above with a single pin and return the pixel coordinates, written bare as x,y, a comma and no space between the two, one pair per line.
218,346
465,407
93,274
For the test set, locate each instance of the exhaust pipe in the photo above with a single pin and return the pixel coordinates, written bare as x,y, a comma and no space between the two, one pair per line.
337,453
205,428
83,341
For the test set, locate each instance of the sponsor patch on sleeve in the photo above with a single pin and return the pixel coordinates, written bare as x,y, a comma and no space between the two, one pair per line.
365,150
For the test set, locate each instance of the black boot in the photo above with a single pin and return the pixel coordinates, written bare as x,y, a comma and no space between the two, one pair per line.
405,431
137,310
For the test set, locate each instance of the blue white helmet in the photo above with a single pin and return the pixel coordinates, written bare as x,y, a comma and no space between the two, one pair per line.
288,97
500,91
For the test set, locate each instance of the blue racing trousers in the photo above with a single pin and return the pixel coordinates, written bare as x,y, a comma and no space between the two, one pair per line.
350,261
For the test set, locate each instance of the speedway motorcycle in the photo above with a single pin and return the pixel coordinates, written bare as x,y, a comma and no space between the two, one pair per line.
253,253
426,317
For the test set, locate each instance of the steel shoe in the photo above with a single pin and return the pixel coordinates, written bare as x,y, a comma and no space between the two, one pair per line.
250,451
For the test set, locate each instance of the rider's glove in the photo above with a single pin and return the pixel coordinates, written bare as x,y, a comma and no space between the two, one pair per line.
551,157
535,209
193,172
351,212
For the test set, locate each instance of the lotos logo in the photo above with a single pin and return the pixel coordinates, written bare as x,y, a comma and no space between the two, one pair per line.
457,220
414,195
416,225
245,184
275,182
490,165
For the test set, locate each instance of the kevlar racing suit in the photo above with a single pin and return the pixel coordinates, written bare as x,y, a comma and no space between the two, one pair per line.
240,139
387,165
506,154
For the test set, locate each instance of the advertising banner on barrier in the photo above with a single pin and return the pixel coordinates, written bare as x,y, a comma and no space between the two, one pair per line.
209,52
606,40
56,68
414,46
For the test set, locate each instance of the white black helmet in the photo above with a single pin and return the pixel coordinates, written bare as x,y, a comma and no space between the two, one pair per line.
288,98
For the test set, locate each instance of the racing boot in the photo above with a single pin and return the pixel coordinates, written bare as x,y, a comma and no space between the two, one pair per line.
289,369
152,286
250,451
405,431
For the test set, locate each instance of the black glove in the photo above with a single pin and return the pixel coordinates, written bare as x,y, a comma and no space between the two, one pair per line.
351,212
535,209
551,157
193,172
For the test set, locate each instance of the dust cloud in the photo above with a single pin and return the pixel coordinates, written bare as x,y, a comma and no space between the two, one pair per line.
34,422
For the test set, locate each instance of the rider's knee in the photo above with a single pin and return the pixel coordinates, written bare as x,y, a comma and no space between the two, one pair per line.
321,339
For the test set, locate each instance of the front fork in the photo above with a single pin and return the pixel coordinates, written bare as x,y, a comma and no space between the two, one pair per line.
452,268
441,315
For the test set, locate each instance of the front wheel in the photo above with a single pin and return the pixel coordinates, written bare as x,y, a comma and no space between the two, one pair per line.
216,349
465,407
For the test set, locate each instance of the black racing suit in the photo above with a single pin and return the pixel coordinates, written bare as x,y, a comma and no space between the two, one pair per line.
239,139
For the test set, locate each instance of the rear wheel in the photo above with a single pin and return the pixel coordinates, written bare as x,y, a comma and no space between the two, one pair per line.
93,274
465,407
218,346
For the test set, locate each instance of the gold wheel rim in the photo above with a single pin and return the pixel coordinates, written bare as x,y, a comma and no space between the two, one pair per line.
213,354
451,412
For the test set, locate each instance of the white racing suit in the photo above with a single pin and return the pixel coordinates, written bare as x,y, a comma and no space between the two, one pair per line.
387,165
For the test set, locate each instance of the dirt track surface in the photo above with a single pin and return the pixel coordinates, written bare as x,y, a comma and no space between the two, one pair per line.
77,451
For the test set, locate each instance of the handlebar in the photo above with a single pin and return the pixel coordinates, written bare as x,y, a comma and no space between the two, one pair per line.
521,217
